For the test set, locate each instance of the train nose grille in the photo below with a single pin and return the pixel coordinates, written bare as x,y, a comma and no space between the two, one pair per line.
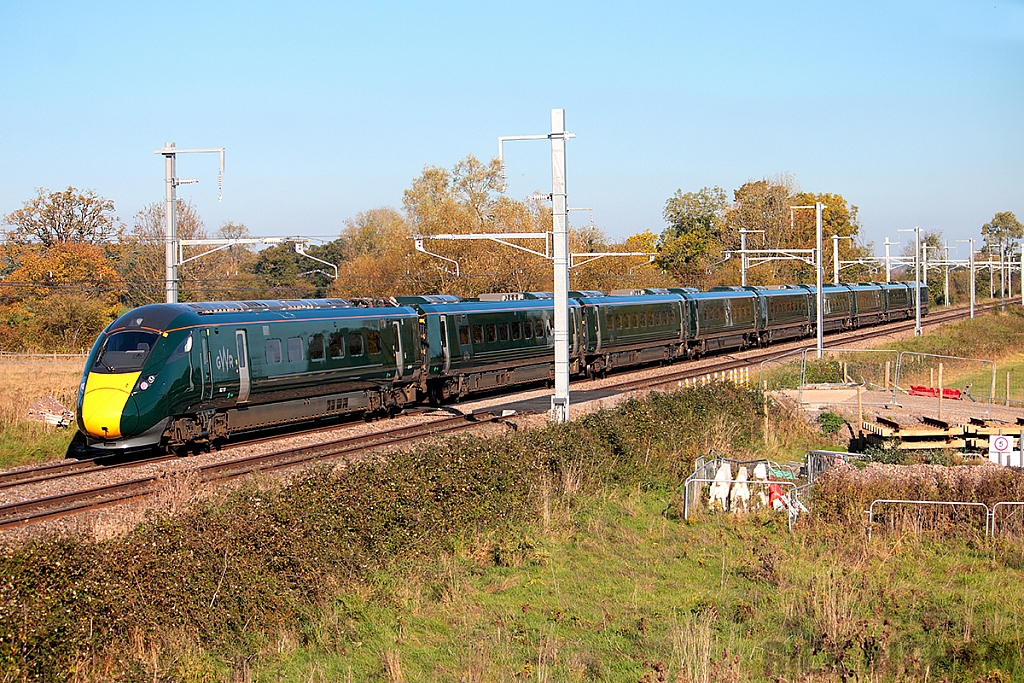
108,411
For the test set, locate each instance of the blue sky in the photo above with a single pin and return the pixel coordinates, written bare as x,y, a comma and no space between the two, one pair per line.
914,111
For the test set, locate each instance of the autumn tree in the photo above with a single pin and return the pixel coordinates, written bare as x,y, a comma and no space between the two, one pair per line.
765,205
377,256
143,260
69,215
470,199
59,298
621,272
693,238
838,217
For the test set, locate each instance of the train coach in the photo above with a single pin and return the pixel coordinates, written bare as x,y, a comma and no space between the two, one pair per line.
487,343
176,375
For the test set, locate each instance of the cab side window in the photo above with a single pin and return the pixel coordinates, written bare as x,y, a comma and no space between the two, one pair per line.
337,344
373,342
273,349
316,347
355,343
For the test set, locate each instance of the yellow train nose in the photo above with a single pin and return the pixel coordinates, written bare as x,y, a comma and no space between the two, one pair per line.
104,403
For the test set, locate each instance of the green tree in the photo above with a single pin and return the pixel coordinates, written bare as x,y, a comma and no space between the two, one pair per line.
693,238
279,271
69,215
1003,230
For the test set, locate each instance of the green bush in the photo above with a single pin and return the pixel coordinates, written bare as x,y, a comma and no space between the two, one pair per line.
268,557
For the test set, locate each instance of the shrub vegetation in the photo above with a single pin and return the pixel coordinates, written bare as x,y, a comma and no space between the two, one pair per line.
546,555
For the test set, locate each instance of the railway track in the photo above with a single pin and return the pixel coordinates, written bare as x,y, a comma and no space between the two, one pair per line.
61,505
28,511
105,463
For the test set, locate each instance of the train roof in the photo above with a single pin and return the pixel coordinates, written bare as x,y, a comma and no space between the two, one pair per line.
477,306
165,317
613,299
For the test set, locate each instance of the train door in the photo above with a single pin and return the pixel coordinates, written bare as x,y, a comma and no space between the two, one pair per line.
399,355
206,367
225,369
465,343
446,353
242,349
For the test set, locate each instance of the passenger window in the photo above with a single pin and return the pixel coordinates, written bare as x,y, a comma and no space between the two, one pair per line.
610,321
478,334
463,335
355,343
517,331
643,320
527,330
295,349
618,321
538,329
503,332
636,320
650,319
373,342
273,347
492,333
316,347
337,344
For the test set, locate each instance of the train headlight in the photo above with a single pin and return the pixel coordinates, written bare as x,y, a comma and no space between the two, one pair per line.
147,383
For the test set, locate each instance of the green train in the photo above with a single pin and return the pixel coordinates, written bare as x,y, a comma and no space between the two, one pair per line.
178,375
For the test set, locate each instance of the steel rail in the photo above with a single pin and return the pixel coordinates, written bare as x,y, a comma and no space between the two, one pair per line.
61,505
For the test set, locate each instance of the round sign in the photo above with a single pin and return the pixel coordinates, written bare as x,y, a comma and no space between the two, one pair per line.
1002,443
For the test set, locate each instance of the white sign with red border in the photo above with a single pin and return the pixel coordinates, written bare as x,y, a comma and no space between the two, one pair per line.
1000,450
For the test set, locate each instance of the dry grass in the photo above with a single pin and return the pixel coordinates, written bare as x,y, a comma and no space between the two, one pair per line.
23,382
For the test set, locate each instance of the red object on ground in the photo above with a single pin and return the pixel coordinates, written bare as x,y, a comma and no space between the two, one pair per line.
776,499
932,392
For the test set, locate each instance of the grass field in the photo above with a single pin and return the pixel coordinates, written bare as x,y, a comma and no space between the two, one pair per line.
23,382
626,595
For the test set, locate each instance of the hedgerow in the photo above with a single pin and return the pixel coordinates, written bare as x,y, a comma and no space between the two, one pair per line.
259,559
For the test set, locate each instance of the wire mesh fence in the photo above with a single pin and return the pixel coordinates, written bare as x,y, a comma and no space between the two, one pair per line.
965,379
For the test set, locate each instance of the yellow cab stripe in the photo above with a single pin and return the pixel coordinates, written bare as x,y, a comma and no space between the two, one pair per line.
104,401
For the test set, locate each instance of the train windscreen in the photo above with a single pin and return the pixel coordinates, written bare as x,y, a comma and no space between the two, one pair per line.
124,351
